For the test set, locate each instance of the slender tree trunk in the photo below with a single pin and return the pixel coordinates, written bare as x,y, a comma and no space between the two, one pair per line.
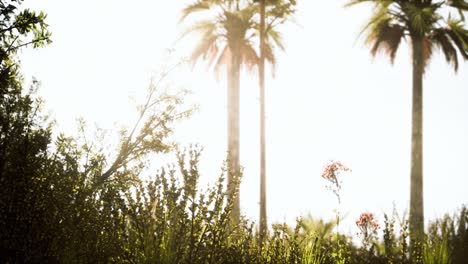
416,219
233,96
261,75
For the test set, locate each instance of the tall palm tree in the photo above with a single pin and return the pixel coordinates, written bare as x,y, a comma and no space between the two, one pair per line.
277,13
261,82
227,40
421,22
228,36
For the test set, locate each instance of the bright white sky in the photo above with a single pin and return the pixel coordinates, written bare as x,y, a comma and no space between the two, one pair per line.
329,100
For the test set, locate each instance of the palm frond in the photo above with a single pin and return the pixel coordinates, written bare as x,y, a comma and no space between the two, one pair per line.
459,36
249,56
386,37
271,58
462,5
239,22
211,54
442,40
234,25
393,20
355,2
197,6
203,27
380,15
421,20
223,59
458,44
273,36
248,12
207,46
206,49
231,31
426,51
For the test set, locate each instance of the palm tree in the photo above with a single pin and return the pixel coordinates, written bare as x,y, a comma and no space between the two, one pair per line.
278,12
261,82
226,40
420,22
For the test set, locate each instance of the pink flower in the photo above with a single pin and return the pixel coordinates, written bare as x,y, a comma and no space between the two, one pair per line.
331,173
332,170
367,219
368,227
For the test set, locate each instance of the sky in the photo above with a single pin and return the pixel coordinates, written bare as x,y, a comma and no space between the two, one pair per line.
329,100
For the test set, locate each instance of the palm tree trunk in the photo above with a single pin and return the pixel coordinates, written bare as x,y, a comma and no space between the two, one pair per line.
233,96
416,198
261,75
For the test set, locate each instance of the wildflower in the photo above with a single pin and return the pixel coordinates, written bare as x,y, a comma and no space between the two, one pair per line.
331,173
332,170
368,227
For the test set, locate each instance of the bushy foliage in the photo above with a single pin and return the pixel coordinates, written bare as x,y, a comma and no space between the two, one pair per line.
169,220
447,239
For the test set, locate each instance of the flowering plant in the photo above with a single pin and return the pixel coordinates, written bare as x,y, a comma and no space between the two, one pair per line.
331,173
368,227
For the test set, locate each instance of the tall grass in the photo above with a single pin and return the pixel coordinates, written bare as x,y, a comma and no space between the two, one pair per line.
170,219
437,253
313,252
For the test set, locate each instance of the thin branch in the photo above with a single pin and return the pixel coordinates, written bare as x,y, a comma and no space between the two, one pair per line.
11,44
28,43
128,147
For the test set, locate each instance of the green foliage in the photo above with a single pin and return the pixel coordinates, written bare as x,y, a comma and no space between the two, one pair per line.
395,244
24,139
447,239
169,219
173,222
436,252
318,227
459,239
313,252
19,28
393,21
60,200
